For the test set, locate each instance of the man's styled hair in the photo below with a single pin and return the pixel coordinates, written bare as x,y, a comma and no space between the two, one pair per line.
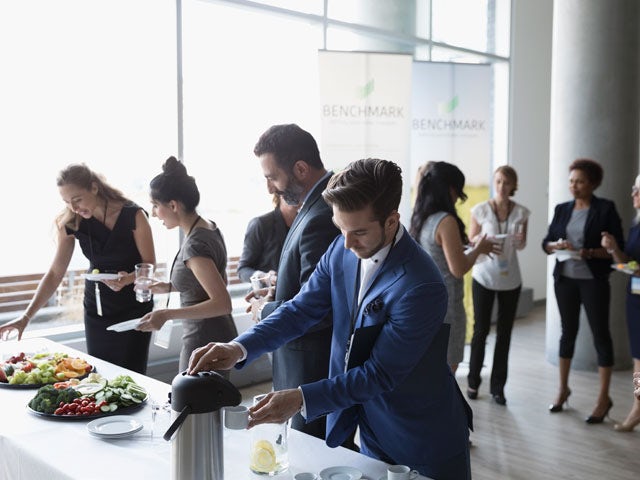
289,143
365,182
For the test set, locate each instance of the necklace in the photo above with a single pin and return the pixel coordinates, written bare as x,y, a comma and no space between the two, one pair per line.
173,264
494,208
104,222
91,260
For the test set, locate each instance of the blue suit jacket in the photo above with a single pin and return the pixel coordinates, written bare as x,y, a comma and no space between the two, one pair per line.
406,402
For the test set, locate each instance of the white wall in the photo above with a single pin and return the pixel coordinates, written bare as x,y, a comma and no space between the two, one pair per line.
531,39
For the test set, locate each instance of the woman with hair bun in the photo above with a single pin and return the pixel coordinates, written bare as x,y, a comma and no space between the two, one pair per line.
114,234
198,270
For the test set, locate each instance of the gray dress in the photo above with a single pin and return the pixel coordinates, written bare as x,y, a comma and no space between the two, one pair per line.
456,315
201,242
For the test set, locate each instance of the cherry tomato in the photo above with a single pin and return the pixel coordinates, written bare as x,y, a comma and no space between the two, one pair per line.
59,411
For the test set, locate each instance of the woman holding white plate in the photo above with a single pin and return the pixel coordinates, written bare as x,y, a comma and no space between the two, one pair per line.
577,225
631,252
198,270
114,234
504,220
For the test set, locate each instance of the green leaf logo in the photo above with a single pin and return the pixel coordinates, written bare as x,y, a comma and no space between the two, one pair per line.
367,89
448,107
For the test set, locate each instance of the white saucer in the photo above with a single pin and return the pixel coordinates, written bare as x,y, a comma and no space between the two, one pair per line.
100,276
117,426
340,473
124,326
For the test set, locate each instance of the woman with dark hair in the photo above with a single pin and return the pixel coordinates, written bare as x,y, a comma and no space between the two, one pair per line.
198,270
114,234
581,276
630,253
498,277
435,224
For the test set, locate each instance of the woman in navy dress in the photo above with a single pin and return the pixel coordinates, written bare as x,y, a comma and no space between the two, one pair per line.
631,252
114,234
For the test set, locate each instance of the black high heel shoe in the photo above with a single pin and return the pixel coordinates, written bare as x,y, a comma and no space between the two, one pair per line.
557,407
591,419
472,393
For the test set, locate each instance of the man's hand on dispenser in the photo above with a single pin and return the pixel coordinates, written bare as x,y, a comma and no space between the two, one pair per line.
214,356
276,407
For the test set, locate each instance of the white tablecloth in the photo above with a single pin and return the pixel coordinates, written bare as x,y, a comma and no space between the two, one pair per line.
33,447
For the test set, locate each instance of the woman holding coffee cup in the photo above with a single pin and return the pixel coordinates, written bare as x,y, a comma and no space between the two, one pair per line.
114,234
498,276
198,270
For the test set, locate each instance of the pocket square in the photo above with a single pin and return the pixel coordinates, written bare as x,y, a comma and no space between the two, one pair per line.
375,306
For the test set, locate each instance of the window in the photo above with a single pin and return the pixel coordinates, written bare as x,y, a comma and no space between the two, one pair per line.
90,82
95,82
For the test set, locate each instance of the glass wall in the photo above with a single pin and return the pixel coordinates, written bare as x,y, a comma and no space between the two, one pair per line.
96,82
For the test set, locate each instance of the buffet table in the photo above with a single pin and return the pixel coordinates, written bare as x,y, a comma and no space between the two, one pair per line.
34,447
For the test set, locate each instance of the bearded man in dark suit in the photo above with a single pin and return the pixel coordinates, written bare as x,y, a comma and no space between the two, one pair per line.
291,163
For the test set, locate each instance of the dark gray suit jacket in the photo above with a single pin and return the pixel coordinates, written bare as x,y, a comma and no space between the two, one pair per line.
305,359
263,242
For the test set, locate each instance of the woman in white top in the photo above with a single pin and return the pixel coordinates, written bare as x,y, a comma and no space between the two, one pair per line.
505,221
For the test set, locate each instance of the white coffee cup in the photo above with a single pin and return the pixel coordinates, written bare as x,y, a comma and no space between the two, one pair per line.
401,472
236,418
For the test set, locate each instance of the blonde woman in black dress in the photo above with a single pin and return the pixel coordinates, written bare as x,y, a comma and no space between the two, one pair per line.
114,234
198,270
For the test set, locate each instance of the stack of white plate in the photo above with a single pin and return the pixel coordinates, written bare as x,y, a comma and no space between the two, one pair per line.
116,426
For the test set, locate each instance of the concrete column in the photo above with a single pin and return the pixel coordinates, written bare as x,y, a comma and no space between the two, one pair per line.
395,16
594,114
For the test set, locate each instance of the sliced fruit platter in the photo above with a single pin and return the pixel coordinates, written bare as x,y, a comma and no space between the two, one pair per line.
92,397
629,267
33,371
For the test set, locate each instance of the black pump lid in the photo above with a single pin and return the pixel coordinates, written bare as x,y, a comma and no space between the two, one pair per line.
204,392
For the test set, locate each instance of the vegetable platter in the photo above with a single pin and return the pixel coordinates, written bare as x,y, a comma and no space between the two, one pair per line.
92,397
44,368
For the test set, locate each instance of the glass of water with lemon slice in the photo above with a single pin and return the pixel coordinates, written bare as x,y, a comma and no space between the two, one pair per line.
269,449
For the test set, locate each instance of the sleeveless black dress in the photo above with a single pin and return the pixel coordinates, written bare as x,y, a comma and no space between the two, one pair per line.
112,251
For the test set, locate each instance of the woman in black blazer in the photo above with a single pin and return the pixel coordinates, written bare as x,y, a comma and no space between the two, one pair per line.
583,279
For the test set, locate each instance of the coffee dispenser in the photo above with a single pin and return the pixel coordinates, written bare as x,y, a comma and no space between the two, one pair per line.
196,429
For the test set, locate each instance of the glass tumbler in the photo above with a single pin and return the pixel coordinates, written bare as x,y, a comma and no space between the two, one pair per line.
269,449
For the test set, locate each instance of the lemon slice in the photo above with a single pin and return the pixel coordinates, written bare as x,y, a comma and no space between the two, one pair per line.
78,364
263,457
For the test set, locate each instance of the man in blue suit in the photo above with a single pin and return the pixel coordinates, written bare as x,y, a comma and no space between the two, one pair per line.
388,373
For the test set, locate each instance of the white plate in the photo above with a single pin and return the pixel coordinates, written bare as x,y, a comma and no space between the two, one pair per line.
622,269
124,326
564,255
501,236
114,427
100,276
340,473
